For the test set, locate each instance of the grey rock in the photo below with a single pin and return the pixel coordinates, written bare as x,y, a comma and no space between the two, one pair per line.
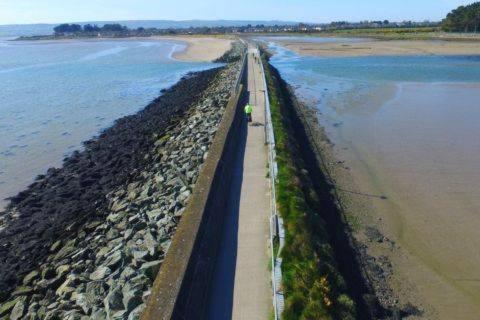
33,311
132,195
99,314
150,269
29,278
19,309
113,302
114,260
82,301
119,206
165,245
48,272
22,291
62,270
132,295
56,246
154,215
139,255
136,313
116,217
54,315
95,291
127,274
151,244
81,254
72,315
102,252
119,315
113,233
65,290
140,225
128,234
52,284
100,273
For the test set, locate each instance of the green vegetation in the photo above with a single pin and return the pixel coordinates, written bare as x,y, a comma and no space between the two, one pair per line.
415,33
376,31
89,29
463,19
313,287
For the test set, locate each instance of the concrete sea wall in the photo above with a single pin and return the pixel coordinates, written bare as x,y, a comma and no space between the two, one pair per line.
181,288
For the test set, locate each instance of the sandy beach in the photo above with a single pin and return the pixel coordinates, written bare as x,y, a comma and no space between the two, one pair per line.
383,48
201,49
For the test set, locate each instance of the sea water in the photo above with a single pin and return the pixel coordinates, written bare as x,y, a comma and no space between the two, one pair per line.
56,94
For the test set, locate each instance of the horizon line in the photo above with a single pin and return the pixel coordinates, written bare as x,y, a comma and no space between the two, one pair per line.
206,20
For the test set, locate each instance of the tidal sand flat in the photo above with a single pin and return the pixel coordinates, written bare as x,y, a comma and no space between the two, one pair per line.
405,134
56,94
341,47
201,49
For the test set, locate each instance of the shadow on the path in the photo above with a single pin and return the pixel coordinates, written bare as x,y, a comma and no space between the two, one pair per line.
220,302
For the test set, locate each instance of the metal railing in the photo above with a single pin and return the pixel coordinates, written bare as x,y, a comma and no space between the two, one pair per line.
276,222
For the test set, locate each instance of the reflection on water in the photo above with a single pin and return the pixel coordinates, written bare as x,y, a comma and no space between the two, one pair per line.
55,95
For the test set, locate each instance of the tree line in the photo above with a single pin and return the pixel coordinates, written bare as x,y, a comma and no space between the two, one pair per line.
73,28
463,19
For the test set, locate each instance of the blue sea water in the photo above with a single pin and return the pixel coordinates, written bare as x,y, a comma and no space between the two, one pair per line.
55,95
337,84
379,68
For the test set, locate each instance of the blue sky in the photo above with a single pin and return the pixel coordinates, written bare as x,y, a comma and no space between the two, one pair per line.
54,11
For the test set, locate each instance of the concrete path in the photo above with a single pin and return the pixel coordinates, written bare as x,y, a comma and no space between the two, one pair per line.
241,288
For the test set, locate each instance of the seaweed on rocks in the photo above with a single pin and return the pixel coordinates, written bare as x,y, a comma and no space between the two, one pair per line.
107,215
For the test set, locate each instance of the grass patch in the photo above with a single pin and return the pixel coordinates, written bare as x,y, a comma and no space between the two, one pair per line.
313,286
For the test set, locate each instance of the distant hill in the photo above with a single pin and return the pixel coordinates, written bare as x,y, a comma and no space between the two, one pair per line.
45,29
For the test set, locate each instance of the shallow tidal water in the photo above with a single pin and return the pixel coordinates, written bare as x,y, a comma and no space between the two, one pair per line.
56,94
409,129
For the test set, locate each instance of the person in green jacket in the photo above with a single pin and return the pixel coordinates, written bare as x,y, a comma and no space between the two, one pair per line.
248,112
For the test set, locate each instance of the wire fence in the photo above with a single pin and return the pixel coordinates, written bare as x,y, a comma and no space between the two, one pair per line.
276,222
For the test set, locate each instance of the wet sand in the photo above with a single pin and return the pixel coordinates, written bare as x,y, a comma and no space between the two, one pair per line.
382,48
424,157
201,49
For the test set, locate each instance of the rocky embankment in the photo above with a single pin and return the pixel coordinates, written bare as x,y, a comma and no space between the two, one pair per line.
86,241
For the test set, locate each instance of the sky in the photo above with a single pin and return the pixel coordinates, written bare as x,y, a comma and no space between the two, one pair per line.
56,11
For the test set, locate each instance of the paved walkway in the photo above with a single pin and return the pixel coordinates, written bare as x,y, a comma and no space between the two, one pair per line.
241,288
